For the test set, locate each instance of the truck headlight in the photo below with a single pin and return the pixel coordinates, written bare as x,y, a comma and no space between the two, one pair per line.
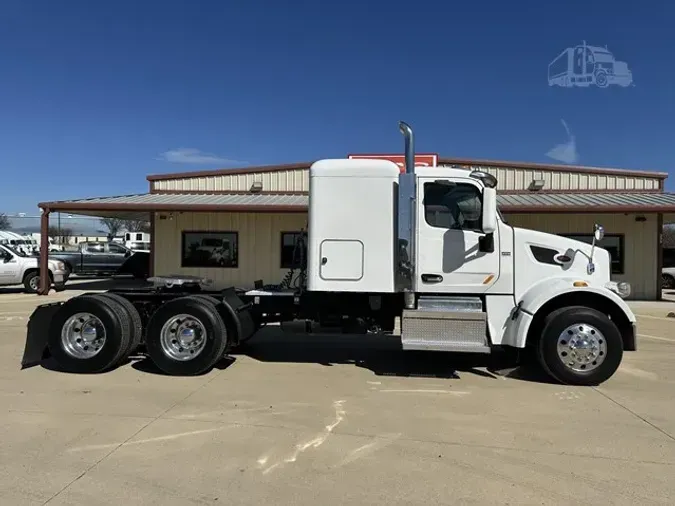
622,288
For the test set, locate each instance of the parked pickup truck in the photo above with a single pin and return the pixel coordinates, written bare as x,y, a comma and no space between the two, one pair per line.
104,258
18,268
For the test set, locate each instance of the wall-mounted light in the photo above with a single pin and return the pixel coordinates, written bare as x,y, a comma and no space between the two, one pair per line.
256,187
536,184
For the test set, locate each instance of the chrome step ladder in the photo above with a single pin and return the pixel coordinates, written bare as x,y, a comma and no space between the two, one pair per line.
457,324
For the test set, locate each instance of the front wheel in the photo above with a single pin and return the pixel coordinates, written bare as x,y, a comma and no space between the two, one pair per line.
668,281
580,346
31,282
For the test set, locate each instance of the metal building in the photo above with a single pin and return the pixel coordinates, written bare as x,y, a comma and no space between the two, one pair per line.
246,219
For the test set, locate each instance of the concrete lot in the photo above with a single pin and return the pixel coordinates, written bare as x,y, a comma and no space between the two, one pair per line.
298,420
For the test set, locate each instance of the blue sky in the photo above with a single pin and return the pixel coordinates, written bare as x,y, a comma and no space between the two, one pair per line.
96,95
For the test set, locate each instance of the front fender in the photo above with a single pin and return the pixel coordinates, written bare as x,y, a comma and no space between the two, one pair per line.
544,291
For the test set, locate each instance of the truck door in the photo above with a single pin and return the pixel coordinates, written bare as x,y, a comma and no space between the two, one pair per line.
116,255
93,257
10,268
448,252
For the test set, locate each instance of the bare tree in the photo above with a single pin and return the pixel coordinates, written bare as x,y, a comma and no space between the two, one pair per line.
4,222
136,226
114,225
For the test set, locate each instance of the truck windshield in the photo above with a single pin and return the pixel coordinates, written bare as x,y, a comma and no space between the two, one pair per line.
15,251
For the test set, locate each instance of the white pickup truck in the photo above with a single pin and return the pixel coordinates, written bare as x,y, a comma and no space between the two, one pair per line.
17,268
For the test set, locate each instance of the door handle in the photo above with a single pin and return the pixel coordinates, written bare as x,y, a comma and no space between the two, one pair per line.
432,278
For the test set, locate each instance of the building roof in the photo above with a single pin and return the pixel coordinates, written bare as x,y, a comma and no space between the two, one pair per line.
516,202
441,161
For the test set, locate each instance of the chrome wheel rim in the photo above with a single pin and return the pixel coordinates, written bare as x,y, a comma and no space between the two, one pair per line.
83,336
183,337
34,283
582,347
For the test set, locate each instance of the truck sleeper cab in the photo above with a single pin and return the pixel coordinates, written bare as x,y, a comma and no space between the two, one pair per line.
425,250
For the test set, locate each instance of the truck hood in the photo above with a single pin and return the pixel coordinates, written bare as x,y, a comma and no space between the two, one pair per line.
578,252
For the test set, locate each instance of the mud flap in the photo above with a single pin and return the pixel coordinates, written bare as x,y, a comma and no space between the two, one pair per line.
239,312
37,334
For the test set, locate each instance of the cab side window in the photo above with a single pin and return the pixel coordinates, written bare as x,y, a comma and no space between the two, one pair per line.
116,249
94,248
456,206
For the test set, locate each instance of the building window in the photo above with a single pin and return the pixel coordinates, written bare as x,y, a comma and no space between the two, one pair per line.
210,249
614,243
291,256
453,205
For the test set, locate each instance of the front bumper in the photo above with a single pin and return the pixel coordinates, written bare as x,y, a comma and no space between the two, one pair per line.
60,277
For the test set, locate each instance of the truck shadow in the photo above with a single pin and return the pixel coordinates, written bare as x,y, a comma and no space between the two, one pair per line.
382,355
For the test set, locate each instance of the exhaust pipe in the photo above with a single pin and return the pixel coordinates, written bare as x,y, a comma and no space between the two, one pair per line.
409,146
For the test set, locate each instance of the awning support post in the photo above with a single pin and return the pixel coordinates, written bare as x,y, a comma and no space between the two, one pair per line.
44,253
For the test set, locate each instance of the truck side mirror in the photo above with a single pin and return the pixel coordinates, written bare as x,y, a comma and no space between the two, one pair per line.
489,210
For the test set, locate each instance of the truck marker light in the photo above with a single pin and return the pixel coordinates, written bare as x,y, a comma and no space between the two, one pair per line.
580,283
488,279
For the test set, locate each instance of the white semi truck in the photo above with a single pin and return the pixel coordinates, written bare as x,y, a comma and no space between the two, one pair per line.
426,251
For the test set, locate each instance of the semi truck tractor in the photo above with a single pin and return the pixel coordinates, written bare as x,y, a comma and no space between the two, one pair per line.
421,255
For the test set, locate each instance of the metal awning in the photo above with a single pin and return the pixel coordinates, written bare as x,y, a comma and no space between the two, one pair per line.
587,202
519,202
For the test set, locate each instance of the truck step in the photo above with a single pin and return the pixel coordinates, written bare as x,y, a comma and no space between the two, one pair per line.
443,330
458,304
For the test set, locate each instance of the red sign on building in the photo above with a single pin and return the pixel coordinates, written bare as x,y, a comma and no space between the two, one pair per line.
422,160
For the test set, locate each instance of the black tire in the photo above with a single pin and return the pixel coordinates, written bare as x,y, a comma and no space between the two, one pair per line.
33,278
233,338
117,332
668,281
610,337
216,337
134,318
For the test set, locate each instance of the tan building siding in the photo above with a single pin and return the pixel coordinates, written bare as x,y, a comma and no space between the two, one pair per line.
259,248
509,179
260,244
282,180
520,179
640,256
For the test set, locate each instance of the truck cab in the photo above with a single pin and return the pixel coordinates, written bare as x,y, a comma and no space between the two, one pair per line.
433,240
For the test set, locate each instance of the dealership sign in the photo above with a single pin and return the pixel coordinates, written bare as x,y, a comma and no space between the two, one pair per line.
425,160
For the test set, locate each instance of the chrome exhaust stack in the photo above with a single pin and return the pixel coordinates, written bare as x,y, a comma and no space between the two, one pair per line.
409,146
405,218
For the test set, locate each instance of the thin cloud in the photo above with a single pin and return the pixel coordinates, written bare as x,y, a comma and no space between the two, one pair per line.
195,157
567,152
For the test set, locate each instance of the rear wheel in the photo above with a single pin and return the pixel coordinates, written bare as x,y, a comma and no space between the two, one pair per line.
89,334
580,346
186,336
136,325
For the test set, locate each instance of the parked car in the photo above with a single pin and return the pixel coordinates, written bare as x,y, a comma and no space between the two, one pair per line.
97,258
18,268
668,277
